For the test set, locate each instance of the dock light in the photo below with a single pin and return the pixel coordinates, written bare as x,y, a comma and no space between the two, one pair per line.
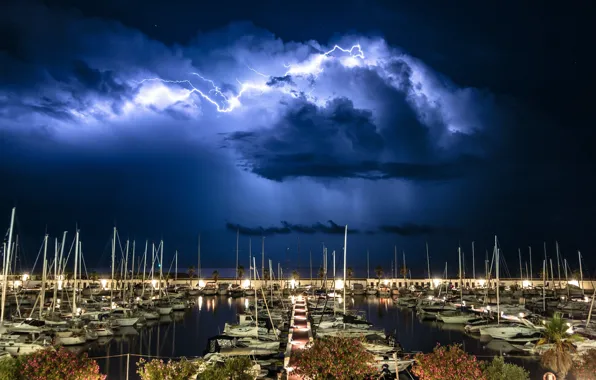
293,283
573,282
526,284
17,283
104,283
154,283
481,282
246,284
386,282
201,284
25,277
339,284
436,282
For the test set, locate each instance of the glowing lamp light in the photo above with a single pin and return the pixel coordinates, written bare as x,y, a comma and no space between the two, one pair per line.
386,282
17,283
436,282
573,282
201,284
481,282
25,277
246,284
104,283
293,283
521,315
339,284
154,283
526,284
78,311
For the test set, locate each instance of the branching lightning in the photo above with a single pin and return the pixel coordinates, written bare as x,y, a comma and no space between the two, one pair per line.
227,101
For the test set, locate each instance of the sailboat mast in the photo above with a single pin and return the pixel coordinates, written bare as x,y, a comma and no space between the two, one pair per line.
144,266
310,261
581,272
43,277
160,265
199,262
497,259
367,265
250,262
263,257
395,275
125,276
521,273
176,260
74,288
237,241
7,264
405,269
473,263
345,255
113,265
132,275
55,274
461,287
531,270
558,264
427,262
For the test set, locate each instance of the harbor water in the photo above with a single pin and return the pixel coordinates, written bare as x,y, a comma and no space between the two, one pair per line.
185,334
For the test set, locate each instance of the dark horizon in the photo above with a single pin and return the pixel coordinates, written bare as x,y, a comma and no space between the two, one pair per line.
408,122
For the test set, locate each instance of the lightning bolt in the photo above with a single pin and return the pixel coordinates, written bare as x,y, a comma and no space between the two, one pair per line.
227,101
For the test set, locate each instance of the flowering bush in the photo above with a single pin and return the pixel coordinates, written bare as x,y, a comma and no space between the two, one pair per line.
160,370
585,367
334,358
59,365
447,363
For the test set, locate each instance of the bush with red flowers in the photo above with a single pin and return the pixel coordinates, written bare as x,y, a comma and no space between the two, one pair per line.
338,358
59,365
447,363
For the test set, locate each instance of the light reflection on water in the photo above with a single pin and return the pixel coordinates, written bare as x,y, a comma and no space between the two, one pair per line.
186,333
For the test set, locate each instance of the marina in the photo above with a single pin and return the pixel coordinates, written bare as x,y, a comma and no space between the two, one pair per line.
139,312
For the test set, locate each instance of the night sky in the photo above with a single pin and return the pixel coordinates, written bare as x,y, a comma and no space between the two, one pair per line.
435,121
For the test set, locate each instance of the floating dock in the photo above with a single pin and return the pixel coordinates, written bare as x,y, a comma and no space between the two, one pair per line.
299,335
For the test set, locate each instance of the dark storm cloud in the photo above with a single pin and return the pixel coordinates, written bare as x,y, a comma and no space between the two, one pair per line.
340,141
329,228
332,228
409,229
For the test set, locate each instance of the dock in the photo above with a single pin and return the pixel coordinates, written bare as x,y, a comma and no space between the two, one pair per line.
299,335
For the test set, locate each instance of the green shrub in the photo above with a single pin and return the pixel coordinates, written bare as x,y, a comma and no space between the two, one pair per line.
9,368
157,369
238,368
497,369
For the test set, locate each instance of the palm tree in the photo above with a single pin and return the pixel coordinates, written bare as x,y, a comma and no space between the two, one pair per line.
94,276
240,271
266,275
558,358
215,275
349,274
295,275
379,272
321,274
403,271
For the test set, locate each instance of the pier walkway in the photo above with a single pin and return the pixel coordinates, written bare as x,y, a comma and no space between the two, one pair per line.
300,334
